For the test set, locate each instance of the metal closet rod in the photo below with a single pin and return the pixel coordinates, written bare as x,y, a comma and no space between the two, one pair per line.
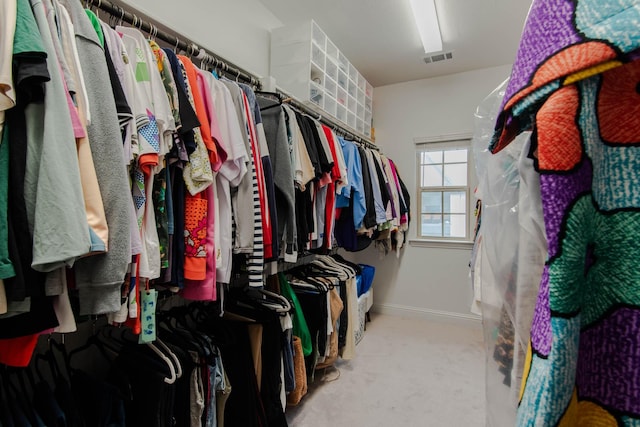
190,48
325,120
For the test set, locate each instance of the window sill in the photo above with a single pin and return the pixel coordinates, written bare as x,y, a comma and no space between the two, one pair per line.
441,244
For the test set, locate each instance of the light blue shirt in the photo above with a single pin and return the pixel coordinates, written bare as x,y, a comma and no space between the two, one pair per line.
354,175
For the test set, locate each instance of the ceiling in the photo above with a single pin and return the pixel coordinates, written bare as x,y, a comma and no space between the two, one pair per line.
380,37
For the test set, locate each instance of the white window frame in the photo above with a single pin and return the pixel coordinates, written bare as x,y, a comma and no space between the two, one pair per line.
444,142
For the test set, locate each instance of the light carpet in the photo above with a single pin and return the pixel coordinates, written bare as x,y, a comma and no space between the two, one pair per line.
407,372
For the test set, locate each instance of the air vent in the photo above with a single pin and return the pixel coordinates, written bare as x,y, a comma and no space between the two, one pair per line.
444,56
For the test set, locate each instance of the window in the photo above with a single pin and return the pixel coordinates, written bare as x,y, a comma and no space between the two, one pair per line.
443,191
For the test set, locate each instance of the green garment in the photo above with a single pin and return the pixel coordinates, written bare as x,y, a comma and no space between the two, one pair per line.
6,266
27,36
95,21
300,328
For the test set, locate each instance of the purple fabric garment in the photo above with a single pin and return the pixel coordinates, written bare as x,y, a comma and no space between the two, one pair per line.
609,363
592,278
541,337
549,28
558,192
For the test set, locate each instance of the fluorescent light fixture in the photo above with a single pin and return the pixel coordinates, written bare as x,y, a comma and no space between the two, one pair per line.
424,12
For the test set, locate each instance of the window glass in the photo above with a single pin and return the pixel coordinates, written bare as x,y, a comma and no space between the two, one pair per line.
455,202
431,225
443,190
455,174
456,156
432,176
431,201
455,225
430,157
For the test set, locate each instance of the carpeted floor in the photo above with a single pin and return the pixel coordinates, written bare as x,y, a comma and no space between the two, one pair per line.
407,372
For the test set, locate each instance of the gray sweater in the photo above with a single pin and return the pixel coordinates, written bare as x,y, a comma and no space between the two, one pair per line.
100,277
276,132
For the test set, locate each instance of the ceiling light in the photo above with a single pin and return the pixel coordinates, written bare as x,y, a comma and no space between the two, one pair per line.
424,12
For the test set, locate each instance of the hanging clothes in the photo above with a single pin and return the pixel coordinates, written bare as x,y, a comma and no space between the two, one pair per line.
174,182
275,128
99,278
231,173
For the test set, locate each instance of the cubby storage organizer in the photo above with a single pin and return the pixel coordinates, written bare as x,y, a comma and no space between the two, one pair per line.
309,66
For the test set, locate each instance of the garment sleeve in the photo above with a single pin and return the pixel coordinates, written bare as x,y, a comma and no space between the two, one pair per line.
359,198
369,220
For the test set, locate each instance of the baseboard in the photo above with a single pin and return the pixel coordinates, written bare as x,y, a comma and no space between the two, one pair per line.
427,314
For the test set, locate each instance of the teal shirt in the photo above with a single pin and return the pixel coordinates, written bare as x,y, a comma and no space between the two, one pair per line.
6,266
27,36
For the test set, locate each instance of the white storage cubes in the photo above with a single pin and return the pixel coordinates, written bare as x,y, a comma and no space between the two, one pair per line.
307,65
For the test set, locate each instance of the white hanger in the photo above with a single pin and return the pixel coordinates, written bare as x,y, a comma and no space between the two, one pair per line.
168,361
348,270
283,305
173,356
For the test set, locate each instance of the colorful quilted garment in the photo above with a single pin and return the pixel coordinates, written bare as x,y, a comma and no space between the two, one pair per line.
564,41
576,84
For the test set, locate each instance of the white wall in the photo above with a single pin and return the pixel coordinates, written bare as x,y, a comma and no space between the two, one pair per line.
425,282
239,30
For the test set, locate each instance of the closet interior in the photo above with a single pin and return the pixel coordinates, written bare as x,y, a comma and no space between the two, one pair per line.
179,253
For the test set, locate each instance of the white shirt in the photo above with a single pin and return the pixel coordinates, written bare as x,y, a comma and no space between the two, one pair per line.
230,174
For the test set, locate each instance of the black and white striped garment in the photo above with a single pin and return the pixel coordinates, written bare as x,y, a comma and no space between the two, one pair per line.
255,261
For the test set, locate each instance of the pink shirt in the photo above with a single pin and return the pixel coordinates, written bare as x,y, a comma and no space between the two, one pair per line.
78,130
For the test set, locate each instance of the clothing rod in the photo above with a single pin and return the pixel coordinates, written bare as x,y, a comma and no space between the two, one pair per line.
329,121
147,25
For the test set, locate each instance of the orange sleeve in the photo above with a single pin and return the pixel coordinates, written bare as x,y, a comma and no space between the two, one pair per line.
201,111
147,162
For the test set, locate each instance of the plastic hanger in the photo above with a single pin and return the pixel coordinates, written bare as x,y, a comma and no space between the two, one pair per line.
151,32
121,15
268,299
113,20
172,355
281,304
179,337
272,94
54,364
181,330
102,346
331,263
49,358
168,361
202,56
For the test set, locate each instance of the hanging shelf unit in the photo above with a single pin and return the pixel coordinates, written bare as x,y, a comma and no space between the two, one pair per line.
309,66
